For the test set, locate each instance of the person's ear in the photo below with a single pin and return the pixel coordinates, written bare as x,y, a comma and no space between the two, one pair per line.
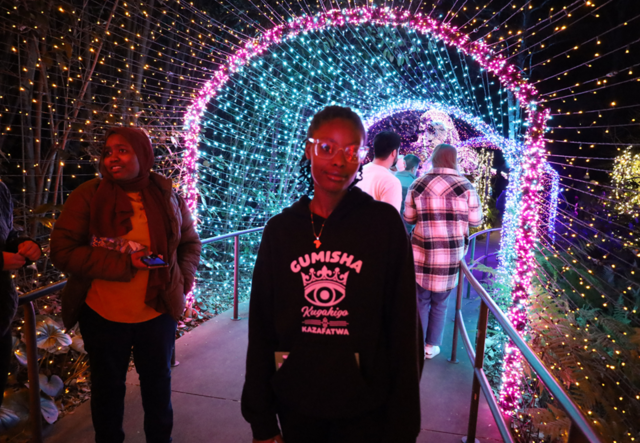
308,150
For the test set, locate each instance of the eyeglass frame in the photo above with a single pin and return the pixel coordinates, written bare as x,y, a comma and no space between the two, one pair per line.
361,149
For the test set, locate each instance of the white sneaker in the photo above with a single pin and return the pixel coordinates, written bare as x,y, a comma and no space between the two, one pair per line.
431,351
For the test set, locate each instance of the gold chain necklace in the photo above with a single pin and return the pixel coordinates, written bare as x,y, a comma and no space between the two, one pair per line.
313,226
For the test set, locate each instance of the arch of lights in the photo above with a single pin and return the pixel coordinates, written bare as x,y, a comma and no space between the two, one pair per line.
491,139
242,139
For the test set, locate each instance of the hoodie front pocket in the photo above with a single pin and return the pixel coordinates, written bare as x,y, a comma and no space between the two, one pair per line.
321,380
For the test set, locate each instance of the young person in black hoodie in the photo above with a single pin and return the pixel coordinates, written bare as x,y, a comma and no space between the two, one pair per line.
334,348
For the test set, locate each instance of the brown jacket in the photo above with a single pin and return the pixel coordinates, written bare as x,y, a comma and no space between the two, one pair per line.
71,253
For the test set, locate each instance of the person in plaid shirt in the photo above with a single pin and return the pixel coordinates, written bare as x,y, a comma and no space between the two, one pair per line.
442,204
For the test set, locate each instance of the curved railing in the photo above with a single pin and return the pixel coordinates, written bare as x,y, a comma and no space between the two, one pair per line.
485,257
26,300
580,430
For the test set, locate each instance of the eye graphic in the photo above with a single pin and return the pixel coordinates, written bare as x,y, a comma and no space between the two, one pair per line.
324,295
324,288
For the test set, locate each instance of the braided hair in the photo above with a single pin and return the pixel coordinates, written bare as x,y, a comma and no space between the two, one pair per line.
304,179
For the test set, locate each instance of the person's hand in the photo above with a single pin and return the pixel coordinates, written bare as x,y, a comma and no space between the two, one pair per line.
12,261
29,250
276,439
135,259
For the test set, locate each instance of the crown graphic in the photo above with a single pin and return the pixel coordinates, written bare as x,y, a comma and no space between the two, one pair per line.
324,288
325,277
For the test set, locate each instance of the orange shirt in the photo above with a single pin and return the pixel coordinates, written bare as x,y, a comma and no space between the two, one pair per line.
123,302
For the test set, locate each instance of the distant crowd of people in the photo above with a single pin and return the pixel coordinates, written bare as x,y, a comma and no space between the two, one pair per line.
441,206
349,291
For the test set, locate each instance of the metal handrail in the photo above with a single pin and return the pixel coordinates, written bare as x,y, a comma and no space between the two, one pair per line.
236,258
580,430
233,234
479,233
27,299
472,248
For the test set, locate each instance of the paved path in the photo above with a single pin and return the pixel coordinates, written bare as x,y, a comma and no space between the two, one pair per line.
208,382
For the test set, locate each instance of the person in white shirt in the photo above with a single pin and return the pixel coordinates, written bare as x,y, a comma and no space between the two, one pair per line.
377,180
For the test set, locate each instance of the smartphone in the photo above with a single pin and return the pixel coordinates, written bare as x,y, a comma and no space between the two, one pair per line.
153,261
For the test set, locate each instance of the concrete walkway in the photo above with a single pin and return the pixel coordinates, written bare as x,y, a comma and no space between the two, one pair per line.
208,382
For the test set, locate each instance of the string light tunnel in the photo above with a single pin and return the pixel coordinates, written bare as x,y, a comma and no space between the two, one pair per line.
251,73
244,131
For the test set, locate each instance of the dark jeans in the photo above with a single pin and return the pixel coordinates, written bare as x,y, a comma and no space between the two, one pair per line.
298,428
6,345
109,345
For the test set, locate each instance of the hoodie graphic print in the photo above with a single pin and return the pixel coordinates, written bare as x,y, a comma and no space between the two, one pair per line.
325,286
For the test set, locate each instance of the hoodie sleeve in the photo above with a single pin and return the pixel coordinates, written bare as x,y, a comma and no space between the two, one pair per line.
258,400
402,421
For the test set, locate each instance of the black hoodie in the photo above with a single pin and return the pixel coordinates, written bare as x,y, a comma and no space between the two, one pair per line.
345,312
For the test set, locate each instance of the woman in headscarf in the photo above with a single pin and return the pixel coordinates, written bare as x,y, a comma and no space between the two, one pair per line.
106,229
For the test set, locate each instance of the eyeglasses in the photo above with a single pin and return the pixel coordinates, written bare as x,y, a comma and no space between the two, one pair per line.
327,150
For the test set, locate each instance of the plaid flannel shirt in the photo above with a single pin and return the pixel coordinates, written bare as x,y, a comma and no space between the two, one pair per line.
442,204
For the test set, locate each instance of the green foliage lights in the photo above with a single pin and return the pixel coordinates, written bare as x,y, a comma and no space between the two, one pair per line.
626,179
